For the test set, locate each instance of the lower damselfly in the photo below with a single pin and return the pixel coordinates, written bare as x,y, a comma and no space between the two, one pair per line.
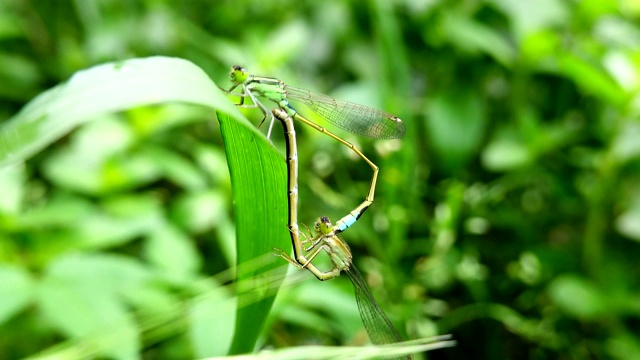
325,239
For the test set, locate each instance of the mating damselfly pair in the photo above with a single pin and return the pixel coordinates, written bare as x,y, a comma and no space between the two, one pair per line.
358,119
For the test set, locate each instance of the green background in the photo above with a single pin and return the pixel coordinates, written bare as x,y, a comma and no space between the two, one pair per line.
508,216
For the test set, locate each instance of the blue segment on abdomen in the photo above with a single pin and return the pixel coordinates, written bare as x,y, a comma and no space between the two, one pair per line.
346,223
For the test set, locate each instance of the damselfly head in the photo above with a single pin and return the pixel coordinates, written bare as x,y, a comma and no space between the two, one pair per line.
323,226
238,74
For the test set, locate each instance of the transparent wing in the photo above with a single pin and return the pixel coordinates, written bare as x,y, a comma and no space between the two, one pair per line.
380,329
355,118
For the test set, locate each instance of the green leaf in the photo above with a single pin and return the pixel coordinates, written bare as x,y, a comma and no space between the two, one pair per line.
258,180
16,290
200,211
12,188
578,297
82,296
120,220
475,37
173,253
506,151
212,314
102,90
592,79
530,17
95,161
456,125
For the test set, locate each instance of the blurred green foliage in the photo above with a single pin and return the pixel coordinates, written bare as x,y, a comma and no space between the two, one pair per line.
509,215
